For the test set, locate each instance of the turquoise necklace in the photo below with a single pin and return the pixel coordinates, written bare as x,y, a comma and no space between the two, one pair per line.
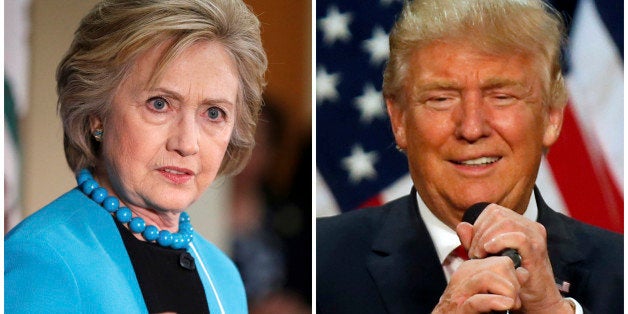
165,238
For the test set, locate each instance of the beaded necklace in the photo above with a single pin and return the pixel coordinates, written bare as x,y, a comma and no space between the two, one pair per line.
150,233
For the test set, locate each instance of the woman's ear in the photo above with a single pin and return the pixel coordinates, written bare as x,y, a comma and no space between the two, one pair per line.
96,128
94,123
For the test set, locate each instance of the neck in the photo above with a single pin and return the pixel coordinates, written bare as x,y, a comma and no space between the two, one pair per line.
162,219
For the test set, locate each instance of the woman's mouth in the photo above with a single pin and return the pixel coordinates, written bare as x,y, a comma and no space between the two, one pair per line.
176,175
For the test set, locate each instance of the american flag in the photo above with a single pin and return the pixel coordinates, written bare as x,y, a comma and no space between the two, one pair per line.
358,165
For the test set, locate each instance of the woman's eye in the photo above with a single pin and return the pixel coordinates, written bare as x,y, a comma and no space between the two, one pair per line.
215,113
158,103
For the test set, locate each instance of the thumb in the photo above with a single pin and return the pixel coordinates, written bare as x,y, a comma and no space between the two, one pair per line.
465,233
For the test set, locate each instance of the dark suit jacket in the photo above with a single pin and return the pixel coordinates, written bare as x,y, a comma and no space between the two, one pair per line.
382,260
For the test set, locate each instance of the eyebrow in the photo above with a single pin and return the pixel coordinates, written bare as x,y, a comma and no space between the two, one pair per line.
490,83
179,97
436,85
496,82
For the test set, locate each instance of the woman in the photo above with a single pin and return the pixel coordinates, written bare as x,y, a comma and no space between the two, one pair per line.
157,99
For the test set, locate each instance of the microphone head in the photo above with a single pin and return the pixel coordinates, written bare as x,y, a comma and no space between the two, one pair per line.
473,212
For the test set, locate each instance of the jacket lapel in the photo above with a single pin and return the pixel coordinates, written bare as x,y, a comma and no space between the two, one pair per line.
403,262
563,248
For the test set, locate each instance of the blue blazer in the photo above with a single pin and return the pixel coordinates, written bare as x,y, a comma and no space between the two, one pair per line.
382,260
69,257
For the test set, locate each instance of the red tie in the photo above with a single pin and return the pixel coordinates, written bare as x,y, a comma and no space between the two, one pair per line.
461,252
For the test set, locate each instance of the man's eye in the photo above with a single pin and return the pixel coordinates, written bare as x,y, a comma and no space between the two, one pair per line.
503,99
440,102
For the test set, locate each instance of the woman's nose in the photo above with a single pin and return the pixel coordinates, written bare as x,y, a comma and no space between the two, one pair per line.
184,137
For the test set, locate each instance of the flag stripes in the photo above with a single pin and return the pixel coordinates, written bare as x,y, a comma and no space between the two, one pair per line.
584,180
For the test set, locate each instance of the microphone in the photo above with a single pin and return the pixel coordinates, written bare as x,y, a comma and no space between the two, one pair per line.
471,215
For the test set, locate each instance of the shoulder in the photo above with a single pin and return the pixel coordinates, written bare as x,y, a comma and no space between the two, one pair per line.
57,257
356,222
596,234
63,225
69,206
601,243
602,249
574,233
586,234
350,235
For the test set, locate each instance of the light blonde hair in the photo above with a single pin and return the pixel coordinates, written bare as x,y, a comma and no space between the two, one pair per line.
528,27
115,32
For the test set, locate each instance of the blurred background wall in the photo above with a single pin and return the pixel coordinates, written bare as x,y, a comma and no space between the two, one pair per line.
38,173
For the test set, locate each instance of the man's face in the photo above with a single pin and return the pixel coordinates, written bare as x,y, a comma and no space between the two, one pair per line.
474,127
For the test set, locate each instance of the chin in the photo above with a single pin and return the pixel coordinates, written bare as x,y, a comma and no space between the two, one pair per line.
471,197
173,201
180,195
173,206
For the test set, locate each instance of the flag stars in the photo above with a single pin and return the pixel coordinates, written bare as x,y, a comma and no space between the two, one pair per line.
360,164
335,26
377,46
370,104
326,85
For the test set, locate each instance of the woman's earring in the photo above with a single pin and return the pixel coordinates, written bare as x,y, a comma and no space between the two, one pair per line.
97,135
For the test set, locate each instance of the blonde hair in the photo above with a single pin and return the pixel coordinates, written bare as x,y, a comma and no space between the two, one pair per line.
115,32
529,27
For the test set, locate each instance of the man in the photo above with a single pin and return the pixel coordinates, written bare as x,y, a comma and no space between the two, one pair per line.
475,96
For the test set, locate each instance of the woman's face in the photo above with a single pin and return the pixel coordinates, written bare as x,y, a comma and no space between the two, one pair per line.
163,144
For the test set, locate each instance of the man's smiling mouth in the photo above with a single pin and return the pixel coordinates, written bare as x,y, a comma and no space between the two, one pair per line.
478,161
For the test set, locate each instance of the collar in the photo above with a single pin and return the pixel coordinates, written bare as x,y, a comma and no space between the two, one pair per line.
444,238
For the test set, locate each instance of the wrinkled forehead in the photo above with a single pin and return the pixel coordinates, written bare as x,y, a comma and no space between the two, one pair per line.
447,55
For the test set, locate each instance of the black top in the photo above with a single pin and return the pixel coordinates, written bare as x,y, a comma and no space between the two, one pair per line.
167,277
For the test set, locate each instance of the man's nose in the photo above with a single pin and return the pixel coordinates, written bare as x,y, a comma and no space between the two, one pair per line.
471,119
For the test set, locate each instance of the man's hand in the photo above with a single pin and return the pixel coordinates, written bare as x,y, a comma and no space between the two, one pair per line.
498,228
481,286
